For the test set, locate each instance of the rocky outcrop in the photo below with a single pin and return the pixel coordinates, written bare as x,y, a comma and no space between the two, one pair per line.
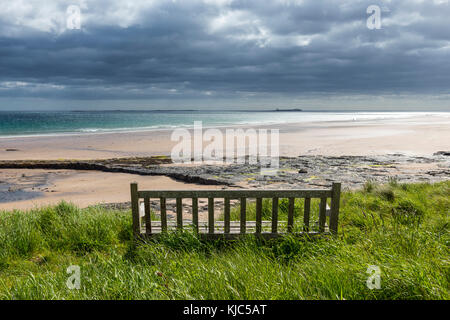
293,172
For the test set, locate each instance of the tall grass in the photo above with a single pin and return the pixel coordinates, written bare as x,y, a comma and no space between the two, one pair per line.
402,228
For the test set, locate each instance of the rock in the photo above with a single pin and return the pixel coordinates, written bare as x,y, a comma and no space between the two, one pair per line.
353,171
442,153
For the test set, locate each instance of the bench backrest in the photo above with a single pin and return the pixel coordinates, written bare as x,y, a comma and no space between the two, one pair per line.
242,195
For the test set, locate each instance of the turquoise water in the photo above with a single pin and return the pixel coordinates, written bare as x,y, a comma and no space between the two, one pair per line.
45,123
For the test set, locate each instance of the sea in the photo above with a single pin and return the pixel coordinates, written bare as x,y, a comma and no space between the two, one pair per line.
36,123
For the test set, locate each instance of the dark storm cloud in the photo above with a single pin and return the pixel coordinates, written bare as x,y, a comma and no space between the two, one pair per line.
193,49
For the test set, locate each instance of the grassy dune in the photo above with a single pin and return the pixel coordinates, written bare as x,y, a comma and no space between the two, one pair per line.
402,228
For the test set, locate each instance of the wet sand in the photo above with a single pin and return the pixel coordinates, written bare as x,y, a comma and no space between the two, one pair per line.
84,188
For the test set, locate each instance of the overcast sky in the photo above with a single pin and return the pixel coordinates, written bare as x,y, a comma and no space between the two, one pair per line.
224,54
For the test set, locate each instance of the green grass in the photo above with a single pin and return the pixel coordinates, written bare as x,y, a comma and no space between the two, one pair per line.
402,228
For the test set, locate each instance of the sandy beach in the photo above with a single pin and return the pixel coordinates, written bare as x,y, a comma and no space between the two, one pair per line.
417,136
83,188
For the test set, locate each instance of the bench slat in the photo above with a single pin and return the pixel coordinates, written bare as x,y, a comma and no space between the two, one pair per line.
147,217
211,215
258,214
243,214
195,213
290,225
162,202
180,213
322,214
274,215
234,236
236,194
306,214
226,215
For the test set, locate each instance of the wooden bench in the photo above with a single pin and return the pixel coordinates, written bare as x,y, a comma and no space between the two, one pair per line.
143,226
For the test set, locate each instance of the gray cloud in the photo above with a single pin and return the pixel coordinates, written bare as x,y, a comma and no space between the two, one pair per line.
224,50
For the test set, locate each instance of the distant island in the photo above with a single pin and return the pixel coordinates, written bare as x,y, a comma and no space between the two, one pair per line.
288,110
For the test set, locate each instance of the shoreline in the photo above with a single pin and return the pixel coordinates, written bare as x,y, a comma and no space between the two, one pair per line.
102,131
414,136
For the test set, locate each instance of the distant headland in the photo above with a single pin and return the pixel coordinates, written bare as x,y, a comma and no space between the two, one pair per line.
287,110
